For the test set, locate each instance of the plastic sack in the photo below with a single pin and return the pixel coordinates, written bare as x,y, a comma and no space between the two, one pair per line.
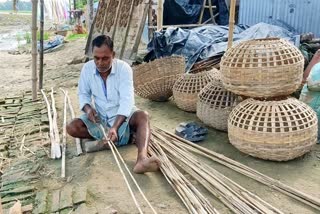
313,80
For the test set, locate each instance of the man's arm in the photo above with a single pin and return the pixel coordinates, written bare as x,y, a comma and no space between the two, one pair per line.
126,101
84,93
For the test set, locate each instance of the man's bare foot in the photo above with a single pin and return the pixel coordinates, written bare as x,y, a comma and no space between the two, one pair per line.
151,164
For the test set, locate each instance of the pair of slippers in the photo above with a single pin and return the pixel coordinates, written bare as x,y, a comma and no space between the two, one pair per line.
191,131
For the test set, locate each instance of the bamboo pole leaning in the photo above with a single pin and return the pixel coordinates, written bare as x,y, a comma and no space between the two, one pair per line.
34,50
55,124
232,11
244,170
116,154
64,137
54,147
194,201
232,195
77,140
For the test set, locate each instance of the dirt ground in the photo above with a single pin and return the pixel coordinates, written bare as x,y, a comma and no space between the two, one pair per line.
99,172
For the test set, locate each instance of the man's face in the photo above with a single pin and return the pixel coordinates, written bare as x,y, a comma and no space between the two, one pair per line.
103,58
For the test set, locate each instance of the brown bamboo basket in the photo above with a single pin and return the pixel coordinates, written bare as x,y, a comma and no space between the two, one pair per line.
155,80
273,130
262,68
214,105
188,86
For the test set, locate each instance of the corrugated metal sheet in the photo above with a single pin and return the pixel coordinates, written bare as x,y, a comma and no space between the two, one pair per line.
303,15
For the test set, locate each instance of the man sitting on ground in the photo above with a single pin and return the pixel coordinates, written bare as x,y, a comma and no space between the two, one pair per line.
109,82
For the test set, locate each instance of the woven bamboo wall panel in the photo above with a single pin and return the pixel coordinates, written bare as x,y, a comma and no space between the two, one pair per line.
262,68
214,105
273,130
155,80
188,86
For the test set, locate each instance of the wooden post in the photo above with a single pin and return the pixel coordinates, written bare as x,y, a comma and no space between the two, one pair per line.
231,22
160,15
41,44
34,49
150,30
90,14
74,4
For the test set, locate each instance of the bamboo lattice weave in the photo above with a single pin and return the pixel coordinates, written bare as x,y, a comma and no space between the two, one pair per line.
273,130
214,105
188,86
262,68
155,80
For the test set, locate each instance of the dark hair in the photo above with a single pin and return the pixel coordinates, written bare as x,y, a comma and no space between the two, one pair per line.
102,40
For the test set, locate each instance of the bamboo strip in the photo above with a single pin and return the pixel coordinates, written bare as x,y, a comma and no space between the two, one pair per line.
51,134
55,126
121,170
64,137
245,170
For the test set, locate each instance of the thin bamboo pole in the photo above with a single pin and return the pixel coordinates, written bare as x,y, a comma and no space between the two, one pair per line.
245,170
41,44
51,134
160,15
78,143
121,170
34,49
231,22
64,137
55,126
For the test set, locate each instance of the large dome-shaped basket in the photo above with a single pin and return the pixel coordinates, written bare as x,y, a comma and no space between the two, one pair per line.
188,86
214,105
273,130
262,68
155,80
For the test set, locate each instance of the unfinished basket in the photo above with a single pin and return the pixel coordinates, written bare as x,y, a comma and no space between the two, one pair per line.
155,80
273,130
262,68
188,86
214,105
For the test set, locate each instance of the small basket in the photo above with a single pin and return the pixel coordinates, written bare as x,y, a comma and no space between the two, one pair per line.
155,80
262,68
273,130
188,86
214,105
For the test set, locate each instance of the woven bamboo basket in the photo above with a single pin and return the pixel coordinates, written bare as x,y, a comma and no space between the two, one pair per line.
262,68
214,105
188,86
273,130
155,80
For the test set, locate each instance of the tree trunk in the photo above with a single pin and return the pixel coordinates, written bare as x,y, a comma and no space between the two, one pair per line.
15,6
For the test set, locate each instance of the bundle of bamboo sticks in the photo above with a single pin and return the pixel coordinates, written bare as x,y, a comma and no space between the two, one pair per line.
232,195
194,201
170,140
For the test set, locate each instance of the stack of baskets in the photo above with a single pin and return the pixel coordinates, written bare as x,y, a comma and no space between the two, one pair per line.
155,80
271,126
188,86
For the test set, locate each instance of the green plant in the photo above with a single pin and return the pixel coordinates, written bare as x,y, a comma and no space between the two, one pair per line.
27,37
73,37
45,35
19,38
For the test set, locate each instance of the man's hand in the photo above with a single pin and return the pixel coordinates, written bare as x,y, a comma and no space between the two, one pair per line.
113,134
91,114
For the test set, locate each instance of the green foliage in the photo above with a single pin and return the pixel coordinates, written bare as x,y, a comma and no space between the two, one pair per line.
73,37
27,37
45,36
